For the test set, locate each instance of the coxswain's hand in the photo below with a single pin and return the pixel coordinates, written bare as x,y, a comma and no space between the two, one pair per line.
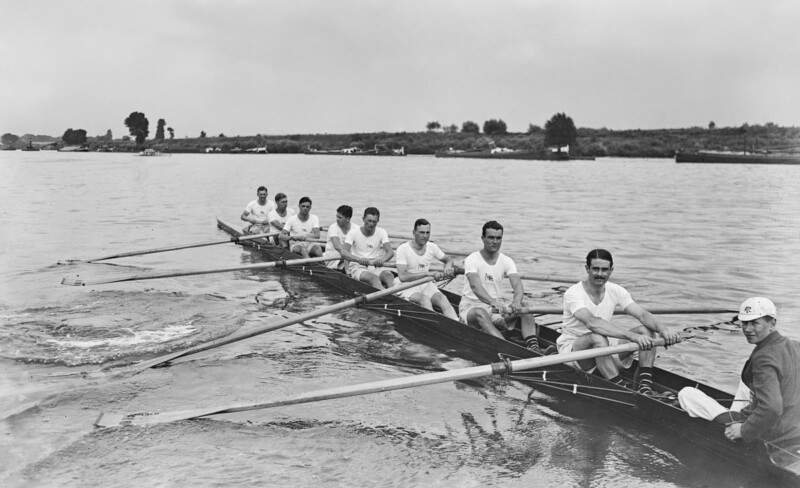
734,431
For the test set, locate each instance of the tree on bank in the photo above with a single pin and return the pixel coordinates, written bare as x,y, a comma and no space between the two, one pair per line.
560,131
74,137
494,127
432,126
9,139
160,129
470,127
171,133
138,126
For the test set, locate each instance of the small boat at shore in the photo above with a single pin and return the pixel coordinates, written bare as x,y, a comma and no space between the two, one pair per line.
728,157
660,411
152,153
378,150
505,153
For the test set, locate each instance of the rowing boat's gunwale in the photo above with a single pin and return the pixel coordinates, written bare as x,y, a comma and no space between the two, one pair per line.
484,347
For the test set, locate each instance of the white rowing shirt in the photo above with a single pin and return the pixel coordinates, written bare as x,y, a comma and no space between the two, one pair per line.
260,212
416,263
273,215
294,226
335,231
576,298
491,276
366,247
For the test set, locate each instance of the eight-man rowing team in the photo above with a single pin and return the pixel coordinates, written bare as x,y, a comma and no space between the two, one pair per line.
767,405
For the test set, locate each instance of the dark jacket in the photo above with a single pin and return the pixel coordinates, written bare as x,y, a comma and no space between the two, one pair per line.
772,374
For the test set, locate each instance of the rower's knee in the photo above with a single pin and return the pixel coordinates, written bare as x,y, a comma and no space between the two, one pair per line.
598,340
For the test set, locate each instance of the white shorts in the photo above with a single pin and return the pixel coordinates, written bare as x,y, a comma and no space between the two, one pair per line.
355,270
426,289
336,263
566,341
304,244
466,305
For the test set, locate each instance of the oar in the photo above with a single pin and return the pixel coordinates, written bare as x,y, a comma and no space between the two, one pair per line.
115,420
550,278
653,310
172,274
141,366
171,248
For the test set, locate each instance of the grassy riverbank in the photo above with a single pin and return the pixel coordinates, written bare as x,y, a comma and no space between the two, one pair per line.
658,143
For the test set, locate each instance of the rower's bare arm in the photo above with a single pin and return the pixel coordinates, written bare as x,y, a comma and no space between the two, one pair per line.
284,235
651,322
519,289
404,275
346,254
337,244
277,224
388,252
604,327
246,216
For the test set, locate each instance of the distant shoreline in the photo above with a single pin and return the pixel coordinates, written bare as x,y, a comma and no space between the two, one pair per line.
655,143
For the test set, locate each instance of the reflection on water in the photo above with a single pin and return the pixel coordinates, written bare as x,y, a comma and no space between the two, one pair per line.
680,234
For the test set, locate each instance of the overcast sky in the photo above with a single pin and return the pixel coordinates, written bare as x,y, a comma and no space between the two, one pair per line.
244,67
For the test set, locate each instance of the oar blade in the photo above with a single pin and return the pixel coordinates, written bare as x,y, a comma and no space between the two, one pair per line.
73,282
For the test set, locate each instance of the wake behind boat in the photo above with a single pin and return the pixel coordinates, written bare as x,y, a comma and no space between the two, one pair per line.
728,157
660,411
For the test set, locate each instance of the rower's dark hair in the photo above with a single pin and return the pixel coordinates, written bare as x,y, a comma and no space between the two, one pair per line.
492,224
262,188
419,222
372,211
304,200
280,196
599,254
345,210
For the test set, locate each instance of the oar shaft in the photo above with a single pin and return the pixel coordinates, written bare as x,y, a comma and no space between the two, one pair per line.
372,387
173,274
548,278
181,246
653,310
280,324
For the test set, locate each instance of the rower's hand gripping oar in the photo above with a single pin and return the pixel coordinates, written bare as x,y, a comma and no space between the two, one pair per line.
172,274
353,302
171,248
115,420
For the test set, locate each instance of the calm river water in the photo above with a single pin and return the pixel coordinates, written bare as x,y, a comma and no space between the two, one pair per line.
681,235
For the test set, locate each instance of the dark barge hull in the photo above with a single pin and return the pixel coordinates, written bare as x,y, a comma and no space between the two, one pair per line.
562,381
725,158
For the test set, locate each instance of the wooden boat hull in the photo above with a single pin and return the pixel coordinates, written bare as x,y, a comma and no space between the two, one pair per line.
562,381
731,158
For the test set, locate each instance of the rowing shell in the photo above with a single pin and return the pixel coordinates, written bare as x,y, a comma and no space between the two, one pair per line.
564,381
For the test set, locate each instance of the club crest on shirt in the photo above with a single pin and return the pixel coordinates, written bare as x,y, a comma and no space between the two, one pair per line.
488,278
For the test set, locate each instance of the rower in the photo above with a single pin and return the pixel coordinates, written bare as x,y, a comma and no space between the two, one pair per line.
413,260
301,227
588,308
257,213
277,218
481,306
767,403
363,247
336,235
